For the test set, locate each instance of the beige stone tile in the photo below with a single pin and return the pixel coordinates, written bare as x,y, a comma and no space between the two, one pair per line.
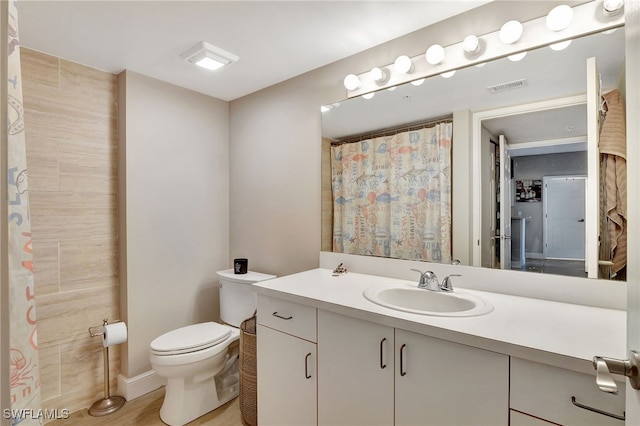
73,216
42,162
82,364
76,400
65,317
49,371
38,69
45,267
85,264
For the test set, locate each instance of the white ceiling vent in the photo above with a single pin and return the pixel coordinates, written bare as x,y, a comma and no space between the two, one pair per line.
502,87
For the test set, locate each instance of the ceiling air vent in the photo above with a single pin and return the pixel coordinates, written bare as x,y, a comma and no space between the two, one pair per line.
502,87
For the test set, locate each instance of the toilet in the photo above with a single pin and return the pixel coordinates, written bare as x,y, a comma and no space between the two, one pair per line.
200,361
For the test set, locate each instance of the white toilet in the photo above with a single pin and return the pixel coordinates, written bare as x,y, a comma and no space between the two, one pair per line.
199,361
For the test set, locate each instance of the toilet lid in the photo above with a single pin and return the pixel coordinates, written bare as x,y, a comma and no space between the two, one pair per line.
190,338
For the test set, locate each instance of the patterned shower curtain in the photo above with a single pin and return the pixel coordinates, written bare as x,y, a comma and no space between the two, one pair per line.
24,370
392,195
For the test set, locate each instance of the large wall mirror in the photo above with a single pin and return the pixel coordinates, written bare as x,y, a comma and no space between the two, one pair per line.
542,142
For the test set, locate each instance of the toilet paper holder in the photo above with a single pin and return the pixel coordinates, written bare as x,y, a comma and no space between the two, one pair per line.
109,404
105,321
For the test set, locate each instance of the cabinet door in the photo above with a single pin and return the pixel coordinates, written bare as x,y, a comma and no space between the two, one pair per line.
287,381
355,371
443,383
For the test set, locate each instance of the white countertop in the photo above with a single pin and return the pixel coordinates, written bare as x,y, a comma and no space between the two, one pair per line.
556,333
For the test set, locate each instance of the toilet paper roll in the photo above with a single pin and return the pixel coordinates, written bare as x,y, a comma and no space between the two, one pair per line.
114,334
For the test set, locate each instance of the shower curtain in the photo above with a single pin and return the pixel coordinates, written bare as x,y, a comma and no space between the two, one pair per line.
392,195
24,366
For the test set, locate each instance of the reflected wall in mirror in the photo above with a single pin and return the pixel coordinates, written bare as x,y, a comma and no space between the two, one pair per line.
542,143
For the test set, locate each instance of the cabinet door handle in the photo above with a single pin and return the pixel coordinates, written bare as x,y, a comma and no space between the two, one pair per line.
275,314
595,410
306,366
402,372
382,364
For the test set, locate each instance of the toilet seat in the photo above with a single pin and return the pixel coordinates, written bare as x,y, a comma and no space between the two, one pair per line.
191,338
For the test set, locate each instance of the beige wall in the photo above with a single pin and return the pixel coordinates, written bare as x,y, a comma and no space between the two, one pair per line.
275,146
71,134
174,210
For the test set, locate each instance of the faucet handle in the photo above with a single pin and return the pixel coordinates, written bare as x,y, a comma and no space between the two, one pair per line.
446,282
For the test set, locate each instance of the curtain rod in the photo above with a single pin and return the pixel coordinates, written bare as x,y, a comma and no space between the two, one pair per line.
393,130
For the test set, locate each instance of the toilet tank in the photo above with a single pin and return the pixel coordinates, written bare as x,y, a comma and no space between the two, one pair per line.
238,300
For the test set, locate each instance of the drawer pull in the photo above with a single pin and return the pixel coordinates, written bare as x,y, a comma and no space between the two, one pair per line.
402,372
595,410
306,366
275,314
382,364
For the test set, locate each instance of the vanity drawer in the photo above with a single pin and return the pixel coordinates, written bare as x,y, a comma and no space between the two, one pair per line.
288,317
546,392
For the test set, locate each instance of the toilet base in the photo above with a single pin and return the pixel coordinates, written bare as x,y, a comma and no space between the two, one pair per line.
187,399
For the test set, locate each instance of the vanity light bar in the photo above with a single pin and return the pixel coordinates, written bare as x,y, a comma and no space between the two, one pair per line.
588,18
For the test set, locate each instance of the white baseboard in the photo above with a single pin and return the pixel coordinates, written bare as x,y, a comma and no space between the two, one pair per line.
134,387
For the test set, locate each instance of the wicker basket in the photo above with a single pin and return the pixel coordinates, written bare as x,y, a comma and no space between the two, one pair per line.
248,378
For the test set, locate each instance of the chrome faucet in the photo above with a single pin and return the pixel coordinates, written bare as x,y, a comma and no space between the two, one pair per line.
446,283
428,280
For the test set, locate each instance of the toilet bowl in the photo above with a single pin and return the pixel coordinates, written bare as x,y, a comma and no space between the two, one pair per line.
200,361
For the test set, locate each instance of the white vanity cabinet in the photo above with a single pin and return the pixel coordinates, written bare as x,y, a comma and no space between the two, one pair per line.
355,371
286,363
444,383
551,393
362,380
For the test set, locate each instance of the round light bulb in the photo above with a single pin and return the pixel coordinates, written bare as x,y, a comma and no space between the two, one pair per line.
517,57
559,18
611,7
418,82
435,54
448,74
510,32
560,46
369,95
402,64
351,82
378,74
471,45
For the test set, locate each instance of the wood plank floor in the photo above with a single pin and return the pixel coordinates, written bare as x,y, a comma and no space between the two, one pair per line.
145,411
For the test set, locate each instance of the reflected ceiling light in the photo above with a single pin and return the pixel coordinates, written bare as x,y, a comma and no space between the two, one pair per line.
560,46
379,75
208,56
510,32
325,108
559,18
612,7
611,31
392,88
403,64
435,54
418,82
517,57
471,45
351,82
448,74
481,64
369,95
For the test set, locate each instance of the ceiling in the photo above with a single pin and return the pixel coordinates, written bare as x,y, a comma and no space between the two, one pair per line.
275,40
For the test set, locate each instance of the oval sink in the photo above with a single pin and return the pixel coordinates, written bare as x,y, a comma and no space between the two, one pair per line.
409,298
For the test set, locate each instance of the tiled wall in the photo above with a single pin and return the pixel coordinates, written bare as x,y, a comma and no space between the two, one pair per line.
71,134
